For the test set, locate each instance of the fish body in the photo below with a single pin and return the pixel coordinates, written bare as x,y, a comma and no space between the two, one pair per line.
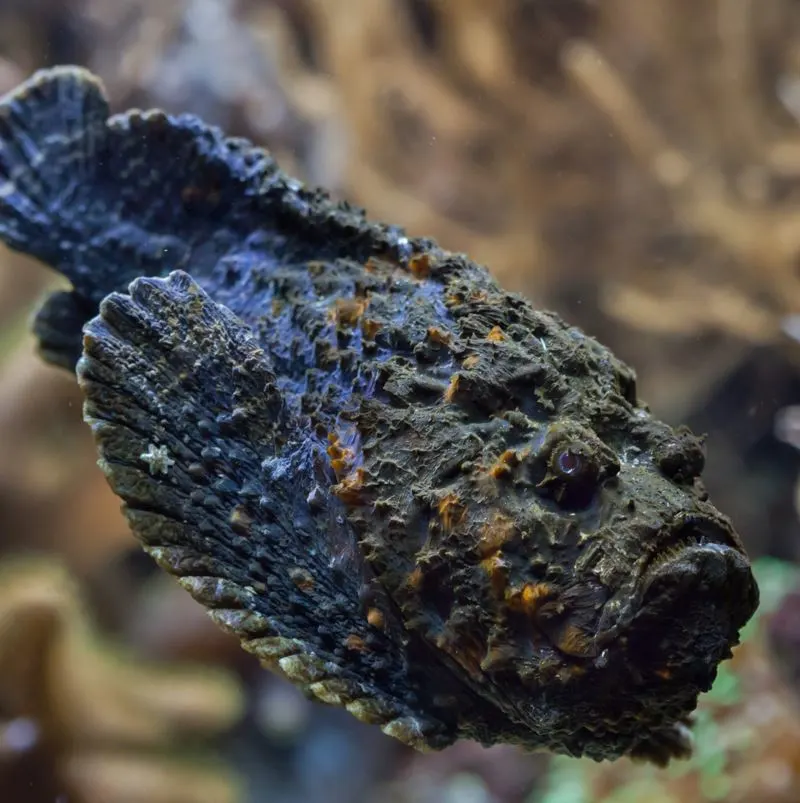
407,490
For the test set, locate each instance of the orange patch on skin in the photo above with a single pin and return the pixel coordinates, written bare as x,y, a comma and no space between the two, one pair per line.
376,618
348,311
349,490
451,511
532,594
355,643
664,674
453,299
529,598
574,641
438,336
420,266
471,361
494,534
507,461
414,580
496,335
341,457
370,328
452,388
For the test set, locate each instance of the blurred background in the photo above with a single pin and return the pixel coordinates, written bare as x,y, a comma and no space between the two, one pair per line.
633,165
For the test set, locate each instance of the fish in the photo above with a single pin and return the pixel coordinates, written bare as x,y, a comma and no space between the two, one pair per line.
413,494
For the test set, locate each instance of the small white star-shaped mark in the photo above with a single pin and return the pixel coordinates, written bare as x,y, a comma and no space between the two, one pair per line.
157,459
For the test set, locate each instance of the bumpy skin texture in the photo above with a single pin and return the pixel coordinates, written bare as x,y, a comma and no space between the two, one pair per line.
405,489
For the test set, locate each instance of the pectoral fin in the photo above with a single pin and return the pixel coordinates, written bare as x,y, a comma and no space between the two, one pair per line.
192,433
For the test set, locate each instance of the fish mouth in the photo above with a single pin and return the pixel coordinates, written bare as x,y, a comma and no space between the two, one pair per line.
685,606
687,532
704,557
696,597
717,573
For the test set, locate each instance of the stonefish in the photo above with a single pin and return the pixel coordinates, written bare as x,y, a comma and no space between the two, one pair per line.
411,493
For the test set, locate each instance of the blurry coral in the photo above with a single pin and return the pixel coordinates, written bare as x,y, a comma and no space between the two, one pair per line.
83,720
51,494
783,633
466,773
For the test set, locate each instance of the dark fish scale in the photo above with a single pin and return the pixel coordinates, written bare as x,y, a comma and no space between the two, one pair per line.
405,489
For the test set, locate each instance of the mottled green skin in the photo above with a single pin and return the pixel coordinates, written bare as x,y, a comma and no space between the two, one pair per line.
407,490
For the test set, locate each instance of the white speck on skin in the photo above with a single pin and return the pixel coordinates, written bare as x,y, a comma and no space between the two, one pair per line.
157,459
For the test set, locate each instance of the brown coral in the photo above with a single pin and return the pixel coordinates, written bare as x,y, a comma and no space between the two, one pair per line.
79,716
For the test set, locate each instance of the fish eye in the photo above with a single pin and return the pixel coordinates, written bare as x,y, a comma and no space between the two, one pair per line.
573,478
569,461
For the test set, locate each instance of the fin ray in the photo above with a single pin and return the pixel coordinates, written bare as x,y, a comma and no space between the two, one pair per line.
188,422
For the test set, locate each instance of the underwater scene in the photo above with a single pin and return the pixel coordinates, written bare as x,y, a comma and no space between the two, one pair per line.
399,401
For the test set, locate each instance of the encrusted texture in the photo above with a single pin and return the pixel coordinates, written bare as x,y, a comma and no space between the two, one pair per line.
410,492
